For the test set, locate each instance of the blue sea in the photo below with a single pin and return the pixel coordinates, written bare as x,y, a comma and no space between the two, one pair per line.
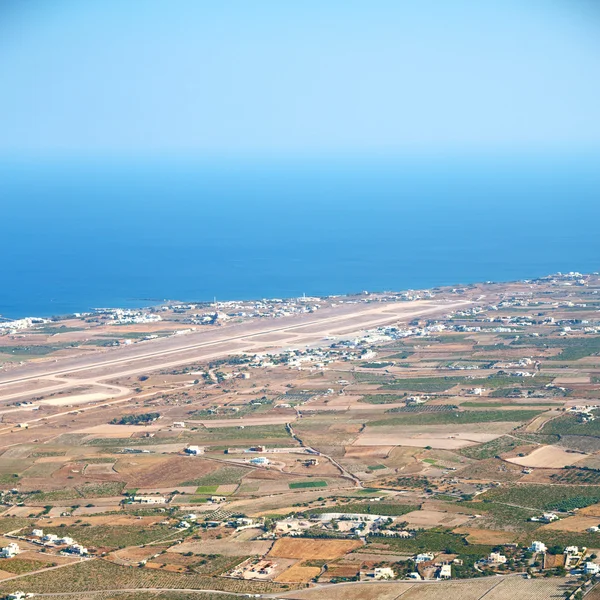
77,234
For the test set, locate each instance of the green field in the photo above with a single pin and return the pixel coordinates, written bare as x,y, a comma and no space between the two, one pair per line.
87,490
433,540
400,355
442,384
33,350
18,566
112,536
370,508
104,575
572,348
462,417
222,476
545,497
529,405
375,378
571,425
577,476
503,516
207,489
307,484
382,398
491,449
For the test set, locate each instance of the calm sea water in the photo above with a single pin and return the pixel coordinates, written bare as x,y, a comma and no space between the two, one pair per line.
75,235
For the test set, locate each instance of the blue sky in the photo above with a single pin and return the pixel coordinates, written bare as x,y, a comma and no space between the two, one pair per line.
276,77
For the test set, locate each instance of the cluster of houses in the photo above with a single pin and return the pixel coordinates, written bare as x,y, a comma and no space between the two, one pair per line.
429,568
119,316
351,524
187,521
271,308
65,543
10,327
253,568
572,558
585,412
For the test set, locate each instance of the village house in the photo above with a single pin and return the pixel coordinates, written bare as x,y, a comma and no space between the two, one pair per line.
423,557
9,551
150,499
444,572
495,558
591,568
50,538
77,549
383,573
537,547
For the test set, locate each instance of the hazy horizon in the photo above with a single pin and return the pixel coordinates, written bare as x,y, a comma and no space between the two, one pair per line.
234,79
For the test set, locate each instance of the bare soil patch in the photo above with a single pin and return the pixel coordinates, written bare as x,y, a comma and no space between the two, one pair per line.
426,519
486,536
577,523
368,451
247,421
311,548
445,441
162,471
298,574
226,547
548,457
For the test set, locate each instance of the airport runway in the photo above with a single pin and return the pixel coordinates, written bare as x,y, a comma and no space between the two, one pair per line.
207,344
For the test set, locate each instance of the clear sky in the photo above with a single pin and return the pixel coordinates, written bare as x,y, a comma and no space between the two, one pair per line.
277,77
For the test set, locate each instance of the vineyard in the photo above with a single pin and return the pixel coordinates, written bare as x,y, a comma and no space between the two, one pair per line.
100,574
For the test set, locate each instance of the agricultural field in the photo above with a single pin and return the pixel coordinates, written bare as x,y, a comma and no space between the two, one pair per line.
283,459
303,548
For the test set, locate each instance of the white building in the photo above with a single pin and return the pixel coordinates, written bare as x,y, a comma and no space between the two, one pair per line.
9,551
179,424
38,533
67,541
150,499
425,556
77,549
259,460
383,573
50,538
195,450
537,547
495,558
477,391
444,572
591,568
